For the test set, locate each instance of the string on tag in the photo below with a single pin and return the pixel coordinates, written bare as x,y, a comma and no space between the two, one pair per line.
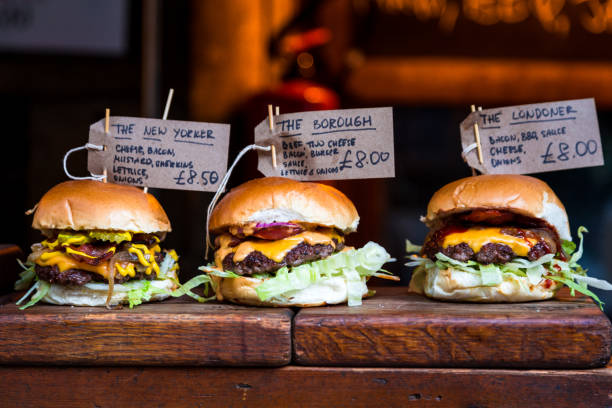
224,182
90,146
467,150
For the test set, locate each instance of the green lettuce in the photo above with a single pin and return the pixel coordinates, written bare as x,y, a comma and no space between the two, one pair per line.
569,273
568,246
185,288
26,276
165,266
142,294
491,275
42,289
223,274
412,248
353,265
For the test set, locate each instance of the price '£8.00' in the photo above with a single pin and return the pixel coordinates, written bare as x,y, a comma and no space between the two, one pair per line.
328,145
534,138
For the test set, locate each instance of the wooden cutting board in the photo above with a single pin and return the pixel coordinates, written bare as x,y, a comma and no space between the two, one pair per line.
398,329
173,332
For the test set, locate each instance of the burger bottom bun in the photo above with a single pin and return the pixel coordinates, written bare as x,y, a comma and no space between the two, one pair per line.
454,285
328,291
94,294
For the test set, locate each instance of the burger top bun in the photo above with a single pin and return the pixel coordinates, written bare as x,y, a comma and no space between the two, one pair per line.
277,199
519,194
87,205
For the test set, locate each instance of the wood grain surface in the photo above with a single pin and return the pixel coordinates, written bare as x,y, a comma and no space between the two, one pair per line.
395,328
173,332
294,386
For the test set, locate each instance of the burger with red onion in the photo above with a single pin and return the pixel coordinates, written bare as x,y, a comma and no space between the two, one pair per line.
498,238
280,242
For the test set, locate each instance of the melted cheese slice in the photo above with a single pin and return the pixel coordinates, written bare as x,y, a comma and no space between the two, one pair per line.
477,238
275,250
65,262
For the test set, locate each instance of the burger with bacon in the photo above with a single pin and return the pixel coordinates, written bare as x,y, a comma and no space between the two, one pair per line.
281,242
101,247
498,238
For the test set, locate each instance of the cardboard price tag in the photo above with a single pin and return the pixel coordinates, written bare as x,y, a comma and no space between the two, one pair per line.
534,138
327,145
160,153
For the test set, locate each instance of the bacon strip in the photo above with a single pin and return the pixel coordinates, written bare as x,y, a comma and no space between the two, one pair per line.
100,253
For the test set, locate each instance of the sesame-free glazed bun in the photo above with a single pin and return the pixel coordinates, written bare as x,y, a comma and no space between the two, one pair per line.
330,291
87,205
277,199
519,194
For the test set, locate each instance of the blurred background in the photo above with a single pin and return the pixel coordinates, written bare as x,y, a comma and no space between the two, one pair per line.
62,62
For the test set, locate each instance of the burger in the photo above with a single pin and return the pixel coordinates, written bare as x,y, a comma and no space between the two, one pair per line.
101,247
498,238
280,242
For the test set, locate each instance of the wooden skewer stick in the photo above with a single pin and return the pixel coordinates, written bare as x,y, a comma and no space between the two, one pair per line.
145,189
271,123
270,117
273,151
168,102
107,120
106,128
477,134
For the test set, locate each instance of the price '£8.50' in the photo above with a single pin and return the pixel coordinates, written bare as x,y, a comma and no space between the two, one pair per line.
161,153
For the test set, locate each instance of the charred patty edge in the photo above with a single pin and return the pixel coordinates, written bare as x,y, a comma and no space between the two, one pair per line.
256,262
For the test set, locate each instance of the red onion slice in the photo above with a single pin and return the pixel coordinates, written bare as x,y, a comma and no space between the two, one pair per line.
277,230
275,224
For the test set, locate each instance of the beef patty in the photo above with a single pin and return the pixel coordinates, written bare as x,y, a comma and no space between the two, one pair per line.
256,262
492,252
80,277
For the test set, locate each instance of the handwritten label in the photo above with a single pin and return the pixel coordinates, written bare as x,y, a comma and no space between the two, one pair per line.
327,145
535,138
160,153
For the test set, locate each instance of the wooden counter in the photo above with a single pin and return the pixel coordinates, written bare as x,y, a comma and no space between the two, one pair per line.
182,353
173,332
294,386
397,329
